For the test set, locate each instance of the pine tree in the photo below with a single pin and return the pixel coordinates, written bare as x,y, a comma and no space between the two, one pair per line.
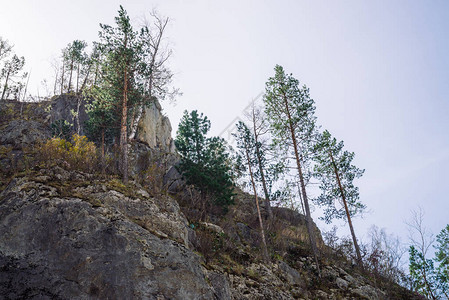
122,50
205,162
442,259
290,111
336,174
422,273
248,150
74,57
102,124
12,76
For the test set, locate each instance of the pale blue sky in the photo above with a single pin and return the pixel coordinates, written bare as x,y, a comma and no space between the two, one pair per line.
378,71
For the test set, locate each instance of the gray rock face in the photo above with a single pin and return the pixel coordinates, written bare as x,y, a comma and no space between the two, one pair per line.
72,109
58,247
23,133
154,129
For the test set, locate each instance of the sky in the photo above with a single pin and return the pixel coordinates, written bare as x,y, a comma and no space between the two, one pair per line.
377,70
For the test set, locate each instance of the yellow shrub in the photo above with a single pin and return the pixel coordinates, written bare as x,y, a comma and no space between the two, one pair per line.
79,155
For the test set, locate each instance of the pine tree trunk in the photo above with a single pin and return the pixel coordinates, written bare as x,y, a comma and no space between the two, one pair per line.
123,130
78,126
70,77
5,87
259,160
265,251
264,185
103,163
85,78
77,77
56,82
303,188
62,77
343,197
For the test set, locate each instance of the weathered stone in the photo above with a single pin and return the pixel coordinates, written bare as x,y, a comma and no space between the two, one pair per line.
292,276
244,231
213,227
154,129
341,283
23,133
65,248
369,292
220,284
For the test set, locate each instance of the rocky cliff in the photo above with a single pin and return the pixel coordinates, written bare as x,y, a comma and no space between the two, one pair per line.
65,234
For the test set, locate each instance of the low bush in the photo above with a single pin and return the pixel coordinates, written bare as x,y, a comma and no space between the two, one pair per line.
79,154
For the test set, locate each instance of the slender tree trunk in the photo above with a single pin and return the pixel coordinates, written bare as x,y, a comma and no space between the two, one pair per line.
123,129
26,88
300,199
103,164
426,282
70,77
261,170
5,87
264,184
56,81
348,215
85,78
78,127
265,251
62,77
77,77
303,188
96,74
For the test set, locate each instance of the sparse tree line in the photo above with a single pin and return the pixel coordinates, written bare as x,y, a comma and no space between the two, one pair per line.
281,141
281,149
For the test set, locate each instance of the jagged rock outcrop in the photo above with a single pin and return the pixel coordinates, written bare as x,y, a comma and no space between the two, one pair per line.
154,129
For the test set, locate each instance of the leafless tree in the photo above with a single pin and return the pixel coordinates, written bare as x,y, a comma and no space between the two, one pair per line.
157,77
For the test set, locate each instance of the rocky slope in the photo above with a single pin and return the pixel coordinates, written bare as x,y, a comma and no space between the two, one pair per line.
72,235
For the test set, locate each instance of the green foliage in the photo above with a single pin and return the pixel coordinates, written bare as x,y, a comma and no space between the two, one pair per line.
421,272
331,158
11,75
442,259
263,168
205,162
74,59
430,277
290,111
246,145
103,118
289,106
60,129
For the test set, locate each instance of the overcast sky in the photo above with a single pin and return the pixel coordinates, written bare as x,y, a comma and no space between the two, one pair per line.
378,72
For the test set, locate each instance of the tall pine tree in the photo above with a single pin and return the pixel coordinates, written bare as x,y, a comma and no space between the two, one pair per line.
290,111
336,175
